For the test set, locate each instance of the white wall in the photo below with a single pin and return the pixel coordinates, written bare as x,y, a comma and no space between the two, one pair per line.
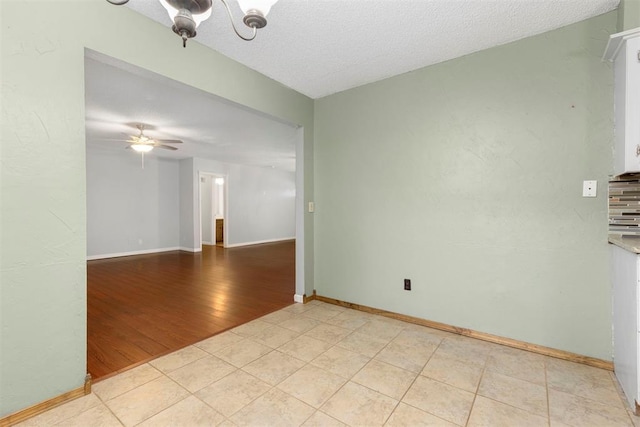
260,202
188,216
261,205
130,209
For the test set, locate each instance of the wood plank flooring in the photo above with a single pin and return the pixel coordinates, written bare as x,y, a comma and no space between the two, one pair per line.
142,307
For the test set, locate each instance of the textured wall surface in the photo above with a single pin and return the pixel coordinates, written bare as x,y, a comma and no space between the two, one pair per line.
628,15
160,204
43,195
129,208
188,205
207,217
261,204
466,177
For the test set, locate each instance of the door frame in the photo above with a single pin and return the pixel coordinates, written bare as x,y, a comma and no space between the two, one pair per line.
225,212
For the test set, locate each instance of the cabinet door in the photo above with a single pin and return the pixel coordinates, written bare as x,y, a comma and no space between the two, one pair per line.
632,104
624,153
625,320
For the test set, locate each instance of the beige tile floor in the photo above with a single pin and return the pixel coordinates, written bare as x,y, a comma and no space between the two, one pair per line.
322,365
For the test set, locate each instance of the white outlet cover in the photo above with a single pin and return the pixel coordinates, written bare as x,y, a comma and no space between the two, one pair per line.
589,188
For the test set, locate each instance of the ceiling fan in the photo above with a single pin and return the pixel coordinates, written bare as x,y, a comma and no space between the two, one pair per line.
143,144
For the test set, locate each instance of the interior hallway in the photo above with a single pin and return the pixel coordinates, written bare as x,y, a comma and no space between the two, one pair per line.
319,364
142,307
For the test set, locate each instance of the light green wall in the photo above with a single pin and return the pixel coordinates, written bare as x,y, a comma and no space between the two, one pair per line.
466,177
628,15
42,199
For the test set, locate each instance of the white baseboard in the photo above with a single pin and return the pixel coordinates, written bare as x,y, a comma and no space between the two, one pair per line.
206,243
178,248
142,252
259,242
298,298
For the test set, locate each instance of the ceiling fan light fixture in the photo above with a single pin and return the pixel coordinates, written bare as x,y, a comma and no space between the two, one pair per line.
142,148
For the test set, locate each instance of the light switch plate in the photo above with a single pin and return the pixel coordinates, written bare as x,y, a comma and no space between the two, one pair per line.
589,188
312,207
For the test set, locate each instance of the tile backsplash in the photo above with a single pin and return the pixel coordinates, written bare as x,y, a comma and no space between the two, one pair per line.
624,205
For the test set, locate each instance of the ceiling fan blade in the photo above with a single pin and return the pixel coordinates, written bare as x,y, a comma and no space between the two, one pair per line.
166,147
112,139
142,139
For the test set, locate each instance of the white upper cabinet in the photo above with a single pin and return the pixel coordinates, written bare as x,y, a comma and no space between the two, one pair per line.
623,50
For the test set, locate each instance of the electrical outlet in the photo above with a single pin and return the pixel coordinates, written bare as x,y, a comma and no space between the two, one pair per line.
407,284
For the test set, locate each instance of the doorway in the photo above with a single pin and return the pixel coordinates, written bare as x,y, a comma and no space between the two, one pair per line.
212,190
180,221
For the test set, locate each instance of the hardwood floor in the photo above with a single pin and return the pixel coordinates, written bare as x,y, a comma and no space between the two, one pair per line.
141,307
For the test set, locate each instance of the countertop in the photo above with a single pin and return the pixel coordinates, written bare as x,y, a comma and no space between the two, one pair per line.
630,243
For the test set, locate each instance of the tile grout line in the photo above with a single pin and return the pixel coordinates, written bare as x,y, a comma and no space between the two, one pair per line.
58,423
326,400
272,387
112,413
156,413
546,389
228,418
475,395
432,379
413,382
240,409
140,385
167,372
248,403
104,402
348,380
508,404
209,406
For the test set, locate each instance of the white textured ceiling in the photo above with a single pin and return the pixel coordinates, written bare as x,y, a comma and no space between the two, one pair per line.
320,47
119,95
